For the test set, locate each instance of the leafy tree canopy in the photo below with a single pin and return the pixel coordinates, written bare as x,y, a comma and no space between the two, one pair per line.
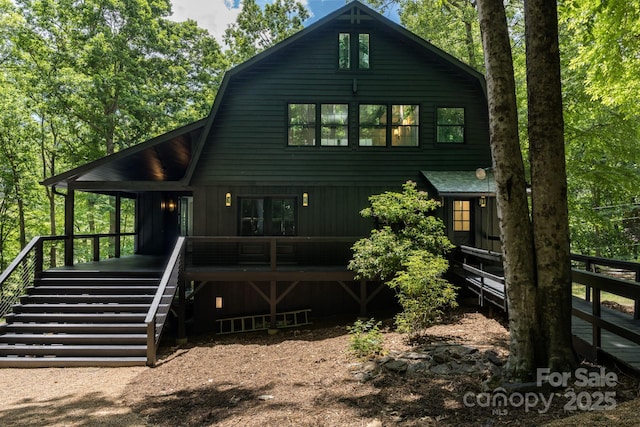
257,29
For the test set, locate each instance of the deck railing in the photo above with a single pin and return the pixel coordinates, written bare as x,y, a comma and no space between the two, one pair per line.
610,267
20,274
169,284
597,275
41,253
271,251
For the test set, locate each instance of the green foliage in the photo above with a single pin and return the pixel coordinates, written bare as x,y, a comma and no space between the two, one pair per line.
422,292
601,131
407,251
257,29
366,339
451,25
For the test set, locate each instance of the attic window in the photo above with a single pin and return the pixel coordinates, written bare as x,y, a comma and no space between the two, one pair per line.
363,51
346,50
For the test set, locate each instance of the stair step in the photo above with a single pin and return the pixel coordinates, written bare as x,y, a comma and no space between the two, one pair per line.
81,308
86,299
95,328
60,338
95,274
95,281
68,362
75,317
91,290
73,350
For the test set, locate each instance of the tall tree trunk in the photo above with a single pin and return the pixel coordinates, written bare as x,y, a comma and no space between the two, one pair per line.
513,211
549,184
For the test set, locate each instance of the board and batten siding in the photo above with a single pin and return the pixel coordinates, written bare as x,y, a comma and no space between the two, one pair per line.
332,210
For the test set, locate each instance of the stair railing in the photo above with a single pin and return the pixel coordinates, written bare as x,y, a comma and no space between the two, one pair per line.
161,305
20,274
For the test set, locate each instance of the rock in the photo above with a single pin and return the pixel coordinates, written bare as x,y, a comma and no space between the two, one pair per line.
363,377
460,351
493,357
440,355
375,423
412,355
419,368
441,369
265,397
396,366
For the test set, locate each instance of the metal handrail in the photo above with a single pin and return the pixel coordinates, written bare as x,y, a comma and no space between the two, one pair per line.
25,278
158,312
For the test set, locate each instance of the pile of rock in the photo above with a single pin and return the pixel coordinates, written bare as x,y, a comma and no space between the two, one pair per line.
440,359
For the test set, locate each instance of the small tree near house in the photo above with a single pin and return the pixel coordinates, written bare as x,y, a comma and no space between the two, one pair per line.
407,250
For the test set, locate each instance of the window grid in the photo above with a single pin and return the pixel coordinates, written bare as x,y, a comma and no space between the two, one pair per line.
461,215
450,125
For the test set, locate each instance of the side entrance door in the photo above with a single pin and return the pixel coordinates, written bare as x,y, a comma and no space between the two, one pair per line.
463,233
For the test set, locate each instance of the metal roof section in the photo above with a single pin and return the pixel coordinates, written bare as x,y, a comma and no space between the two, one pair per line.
461,183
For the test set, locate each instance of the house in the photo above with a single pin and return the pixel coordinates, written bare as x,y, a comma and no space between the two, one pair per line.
267,189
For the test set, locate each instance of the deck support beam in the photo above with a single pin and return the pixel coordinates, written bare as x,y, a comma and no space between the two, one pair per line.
273,302
182,309
363,298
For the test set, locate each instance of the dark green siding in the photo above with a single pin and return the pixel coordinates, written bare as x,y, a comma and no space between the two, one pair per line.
248,139
332,210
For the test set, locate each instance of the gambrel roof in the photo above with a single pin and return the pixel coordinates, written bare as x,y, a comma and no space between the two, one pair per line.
168,162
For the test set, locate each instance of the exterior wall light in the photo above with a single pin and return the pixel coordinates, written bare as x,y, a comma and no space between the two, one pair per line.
305,199
227,199
218,302
168,205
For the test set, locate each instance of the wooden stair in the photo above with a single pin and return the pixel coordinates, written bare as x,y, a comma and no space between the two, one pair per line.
80,318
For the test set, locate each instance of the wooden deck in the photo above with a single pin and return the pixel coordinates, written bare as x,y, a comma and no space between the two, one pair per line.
131,263
618,333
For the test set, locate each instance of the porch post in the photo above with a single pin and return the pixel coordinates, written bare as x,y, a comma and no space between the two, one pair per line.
363,298
182,302
118,221
272,306
69,213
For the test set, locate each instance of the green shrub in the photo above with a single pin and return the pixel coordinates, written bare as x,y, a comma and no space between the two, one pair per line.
422,292
365,339
407,250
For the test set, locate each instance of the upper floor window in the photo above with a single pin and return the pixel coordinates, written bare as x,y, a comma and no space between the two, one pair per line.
334,120
302,124
346,51
380,124
450,124
405,125
303,129
373,125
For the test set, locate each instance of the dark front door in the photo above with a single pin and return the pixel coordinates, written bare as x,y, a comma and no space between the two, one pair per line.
267,216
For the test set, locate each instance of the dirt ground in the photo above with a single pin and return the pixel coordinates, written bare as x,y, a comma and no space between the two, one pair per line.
299,377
